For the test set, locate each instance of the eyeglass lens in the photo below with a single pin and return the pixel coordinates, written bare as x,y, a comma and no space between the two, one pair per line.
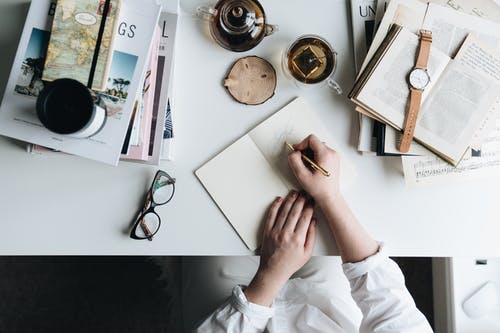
149,224
163,190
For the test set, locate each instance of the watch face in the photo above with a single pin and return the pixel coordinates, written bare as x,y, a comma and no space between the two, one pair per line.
419,78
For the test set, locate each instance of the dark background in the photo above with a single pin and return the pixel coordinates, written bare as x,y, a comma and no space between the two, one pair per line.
120,294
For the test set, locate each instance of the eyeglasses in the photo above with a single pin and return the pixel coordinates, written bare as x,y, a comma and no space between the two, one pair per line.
161,192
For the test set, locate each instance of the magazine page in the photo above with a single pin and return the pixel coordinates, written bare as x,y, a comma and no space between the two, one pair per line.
164,132
18,118
363,25
139,149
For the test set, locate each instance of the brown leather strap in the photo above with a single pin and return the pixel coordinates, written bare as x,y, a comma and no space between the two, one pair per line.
425,49
411,119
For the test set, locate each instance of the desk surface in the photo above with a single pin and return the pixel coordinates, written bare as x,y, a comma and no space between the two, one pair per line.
58,204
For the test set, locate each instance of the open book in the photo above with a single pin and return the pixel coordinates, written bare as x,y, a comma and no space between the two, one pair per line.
246,177
453,105
452,21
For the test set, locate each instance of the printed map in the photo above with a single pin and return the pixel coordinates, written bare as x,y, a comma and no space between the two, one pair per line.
73,40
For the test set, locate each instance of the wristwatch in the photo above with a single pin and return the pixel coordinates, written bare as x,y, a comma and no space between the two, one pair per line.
418,80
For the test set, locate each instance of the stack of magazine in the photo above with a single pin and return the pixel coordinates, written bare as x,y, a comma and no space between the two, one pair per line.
137,91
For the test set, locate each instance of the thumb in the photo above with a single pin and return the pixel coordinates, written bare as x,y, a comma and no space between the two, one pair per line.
298,167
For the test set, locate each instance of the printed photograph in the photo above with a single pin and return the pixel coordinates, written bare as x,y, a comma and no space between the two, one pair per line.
120,76
168,131
30,82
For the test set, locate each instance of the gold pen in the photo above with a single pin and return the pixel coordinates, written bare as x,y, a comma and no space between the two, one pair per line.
313,164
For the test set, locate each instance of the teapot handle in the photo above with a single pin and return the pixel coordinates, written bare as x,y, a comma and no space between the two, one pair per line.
206,13
271,29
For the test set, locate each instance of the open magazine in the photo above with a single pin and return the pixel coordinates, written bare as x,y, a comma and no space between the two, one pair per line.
18,117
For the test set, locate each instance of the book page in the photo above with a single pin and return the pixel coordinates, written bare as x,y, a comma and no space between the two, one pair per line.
487,9
379,15
461,99
487,126
450,28
292,124
387,90
431,170
243,185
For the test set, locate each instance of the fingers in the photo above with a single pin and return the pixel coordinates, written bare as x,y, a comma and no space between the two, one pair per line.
310,237
304,221
318,147
295,214
285,209
273,213
312,142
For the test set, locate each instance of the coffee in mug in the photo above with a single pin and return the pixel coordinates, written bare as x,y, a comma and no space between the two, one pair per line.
66,106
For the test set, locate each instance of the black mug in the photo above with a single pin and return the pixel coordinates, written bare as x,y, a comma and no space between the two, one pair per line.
66,106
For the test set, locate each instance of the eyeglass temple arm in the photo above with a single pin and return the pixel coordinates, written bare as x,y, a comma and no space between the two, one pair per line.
144,227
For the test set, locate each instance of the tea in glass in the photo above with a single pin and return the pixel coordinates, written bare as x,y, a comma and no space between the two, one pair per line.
310,60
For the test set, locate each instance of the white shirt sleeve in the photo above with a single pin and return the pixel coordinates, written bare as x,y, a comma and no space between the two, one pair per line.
378,288
238,315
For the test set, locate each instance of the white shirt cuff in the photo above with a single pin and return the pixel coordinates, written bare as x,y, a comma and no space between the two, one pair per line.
251,310
355,270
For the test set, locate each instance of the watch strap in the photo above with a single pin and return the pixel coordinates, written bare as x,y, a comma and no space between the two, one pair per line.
425,49
411,119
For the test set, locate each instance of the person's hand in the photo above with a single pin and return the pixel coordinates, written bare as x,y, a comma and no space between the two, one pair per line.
289,235
321,188
288,242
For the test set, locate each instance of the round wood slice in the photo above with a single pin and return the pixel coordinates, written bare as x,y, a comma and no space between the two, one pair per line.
251,80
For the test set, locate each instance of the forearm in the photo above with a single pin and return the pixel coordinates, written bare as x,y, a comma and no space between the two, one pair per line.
264,288
353,241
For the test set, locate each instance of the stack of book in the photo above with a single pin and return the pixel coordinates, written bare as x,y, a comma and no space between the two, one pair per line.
460,107
133,76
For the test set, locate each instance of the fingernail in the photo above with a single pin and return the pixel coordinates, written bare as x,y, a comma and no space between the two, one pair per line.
278,199
293,194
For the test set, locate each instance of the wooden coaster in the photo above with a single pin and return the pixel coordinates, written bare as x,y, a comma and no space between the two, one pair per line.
251,80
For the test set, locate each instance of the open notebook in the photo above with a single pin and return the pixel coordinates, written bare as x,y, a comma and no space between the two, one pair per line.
248,175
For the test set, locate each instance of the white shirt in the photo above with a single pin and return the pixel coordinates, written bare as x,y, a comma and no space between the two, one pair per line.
377,287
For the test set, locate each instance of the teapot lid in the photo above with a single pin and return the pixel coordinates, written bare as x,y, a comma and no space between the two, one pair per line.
241,16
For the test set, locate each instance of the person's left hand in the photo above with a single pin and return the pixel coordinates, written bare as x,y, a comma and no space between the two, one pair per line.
288,242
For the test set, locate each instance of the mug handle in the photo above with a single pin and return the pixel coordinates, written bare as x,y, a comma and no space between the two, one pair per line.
206,13
332,84
271,29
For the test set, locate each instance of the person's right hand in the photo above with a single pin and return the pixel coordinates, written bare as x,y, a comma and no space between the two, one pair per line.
320,187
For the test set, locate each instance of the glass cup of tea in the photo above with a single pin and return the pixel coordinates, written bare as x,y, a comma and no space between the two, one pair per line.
237,25
311,61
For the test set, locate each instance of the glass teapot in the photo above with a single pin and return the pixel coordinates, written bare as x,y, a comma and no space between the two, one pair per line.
237,25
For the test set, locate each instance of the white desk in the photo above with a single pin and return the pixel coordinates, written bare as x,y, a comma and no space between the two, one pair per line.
58,204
